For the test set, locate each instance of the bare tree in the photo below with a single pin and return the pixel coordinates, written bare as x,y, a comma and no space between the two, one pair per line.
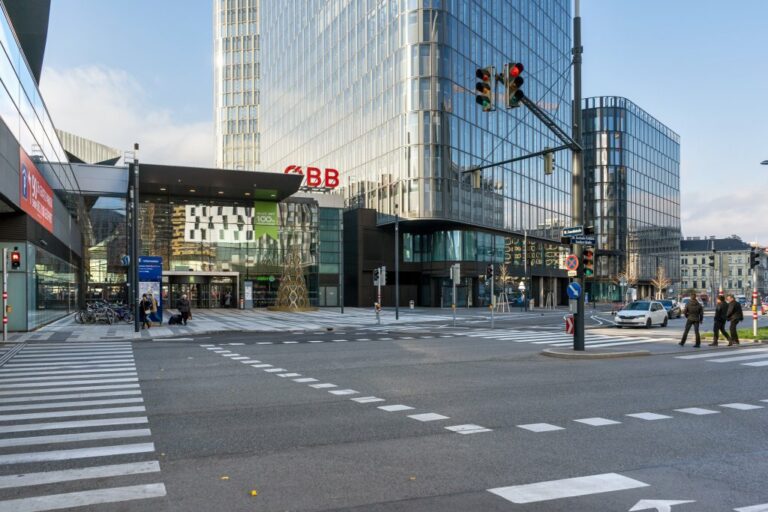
661,282
628,276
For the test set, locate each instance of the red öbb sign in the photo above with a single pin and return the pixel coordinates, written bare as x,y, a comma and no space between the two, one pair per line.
315,177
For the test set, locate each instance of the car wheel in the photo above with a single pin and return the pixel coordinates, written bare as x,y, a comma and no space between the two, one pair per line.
648,324
664,323
619,326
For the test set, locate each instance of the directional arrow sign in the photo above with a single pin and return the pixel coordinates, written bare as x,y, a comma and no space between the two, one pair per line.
658,505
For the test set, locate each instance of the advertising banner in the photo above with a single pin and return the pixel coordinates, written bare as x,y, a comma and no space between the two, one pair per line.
265,219
150,282
36,196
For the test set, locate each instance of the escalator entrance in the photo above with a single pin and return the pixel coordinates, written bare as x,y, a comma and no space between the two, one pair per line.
205,290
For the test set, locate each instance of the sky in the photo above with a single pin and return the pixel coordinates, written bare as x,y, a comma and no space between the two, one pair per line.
141,71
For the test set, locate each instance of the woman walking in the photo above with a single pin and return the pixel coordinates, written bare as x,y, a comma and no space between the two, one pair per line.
145,307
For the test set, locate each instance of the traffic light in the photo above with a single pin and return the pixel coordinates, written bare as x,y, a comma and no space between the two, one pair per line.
15,259
549,163
376,277
489,272
754,258
512,83
712,259
485,88
383,276
588,261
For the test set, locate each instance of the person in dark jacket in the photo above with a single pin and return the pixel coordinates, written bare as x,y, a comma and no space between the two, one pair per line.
734,315
145,307
721,316
693,314
184,308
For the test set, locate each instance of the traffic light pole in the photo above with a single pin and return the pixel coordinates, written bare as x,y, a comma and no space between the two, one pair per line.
5,294
493,297
754,302
134,267
577,196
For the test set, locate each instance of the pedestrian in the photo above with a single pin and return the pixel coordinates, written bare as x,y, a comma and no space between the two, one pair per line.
693,315
145,307
153,305
184,307
721,316
734,315
227,300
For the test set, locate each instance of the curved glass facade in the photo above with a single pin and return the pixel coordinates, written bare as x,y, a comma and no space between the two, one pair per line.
384,92
632,170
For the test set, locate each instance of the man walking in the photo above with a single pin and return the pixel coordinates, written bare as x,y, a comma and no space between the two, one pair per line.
693,313
721,316
734,315
184,308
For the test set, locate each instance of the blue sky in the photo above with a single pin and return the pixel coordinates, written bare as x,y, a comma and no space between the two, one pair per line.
700,66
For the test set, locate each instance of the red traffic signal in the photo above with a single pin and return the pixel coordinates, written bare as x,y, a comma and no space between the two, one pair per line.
15,259
484,88
515,70
512,84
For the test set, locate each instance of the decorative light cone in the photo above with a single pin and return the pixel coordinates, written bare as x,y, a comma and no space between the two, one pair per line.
292,295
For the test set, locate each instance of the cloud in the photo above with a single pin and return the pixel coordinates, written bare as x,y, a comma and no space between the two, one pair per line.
742,213
109,106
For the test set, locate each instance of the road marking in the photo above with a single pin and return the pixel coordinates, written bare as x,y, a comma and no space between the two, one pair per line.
231,354
338,340
123,361
394,408
83,498
85,358
60,425
77,373
754,508
658,505
469,428
721,353
79,376
79,403
343,392
76,453
69,396
241,358
250,361
315,341
697,411
289,375
406,338
67,383
264,343
305,379
567,488
174,339
540,427
367,399
737,358
207,345
73,438
275,370
290,342
759,363
236,344
429,416
650,416
323,386
65,414
741,407
58,390
263,365
69,475
618,343
598,422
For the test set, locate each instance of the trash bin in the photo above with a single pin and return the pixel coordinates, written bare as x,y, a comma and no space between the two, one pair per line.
532,304
411,304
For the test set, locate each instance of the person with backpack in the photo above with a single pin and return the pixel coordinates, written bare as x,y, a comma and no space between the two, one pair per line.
693,316
734,315
721,317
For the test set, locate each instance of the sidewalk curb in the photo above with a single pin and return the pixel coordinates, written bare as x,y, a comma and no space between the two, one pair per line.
570,354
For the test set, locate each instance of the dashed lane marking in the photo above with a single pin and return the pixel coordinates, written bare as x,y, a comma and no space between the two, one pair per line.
567,488
540,427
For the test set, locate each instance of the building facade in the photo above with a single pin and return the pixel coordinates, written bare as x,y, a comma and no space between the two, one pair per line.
40,204
708,265
632,191
236,75
386,96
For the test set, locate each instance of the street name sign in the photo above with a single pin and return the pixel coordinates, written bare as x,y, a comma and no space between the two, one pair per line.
584,239
573,231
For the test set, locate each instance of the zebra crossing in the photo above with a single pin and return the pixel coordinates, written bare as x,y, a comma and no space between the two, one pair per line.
750,357
561,339
75,410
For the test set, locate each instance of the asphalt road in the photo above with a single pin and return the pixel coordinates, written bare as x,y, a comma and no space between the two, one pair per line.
544,434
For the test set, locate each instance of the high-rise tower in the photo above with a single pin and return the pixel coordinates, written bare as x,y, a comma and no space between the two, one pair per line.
236,83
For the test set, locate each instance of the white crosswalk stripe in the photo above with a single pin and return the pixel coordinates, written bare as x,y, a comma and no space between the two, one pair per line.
747,356
76,409
560,339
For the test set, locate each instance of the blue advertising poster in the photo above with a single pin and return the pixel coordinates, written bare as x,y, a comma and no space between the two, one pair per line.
150,282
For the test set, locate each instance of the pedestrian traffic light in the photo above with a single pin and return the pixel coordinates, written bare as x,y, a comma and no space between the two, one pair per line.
549,162
15,259
712,259
485,88
588,262
376,276
383,275
512,83
489,272
754,258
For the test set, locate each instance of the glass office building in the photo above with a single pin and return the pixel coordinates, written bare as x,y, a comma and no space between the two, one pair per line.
236,76
40,205
384,92
632,170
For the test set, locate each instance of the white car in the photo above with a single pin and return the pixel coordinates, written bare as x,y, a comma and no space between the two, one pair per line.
642,313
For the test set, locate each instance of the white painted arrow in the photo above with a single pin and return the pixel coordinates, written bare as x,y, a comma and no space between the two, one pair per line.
658,505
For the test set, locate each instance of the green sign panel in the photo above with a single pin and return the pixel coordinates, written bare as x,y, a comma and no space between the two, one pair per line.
265,219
